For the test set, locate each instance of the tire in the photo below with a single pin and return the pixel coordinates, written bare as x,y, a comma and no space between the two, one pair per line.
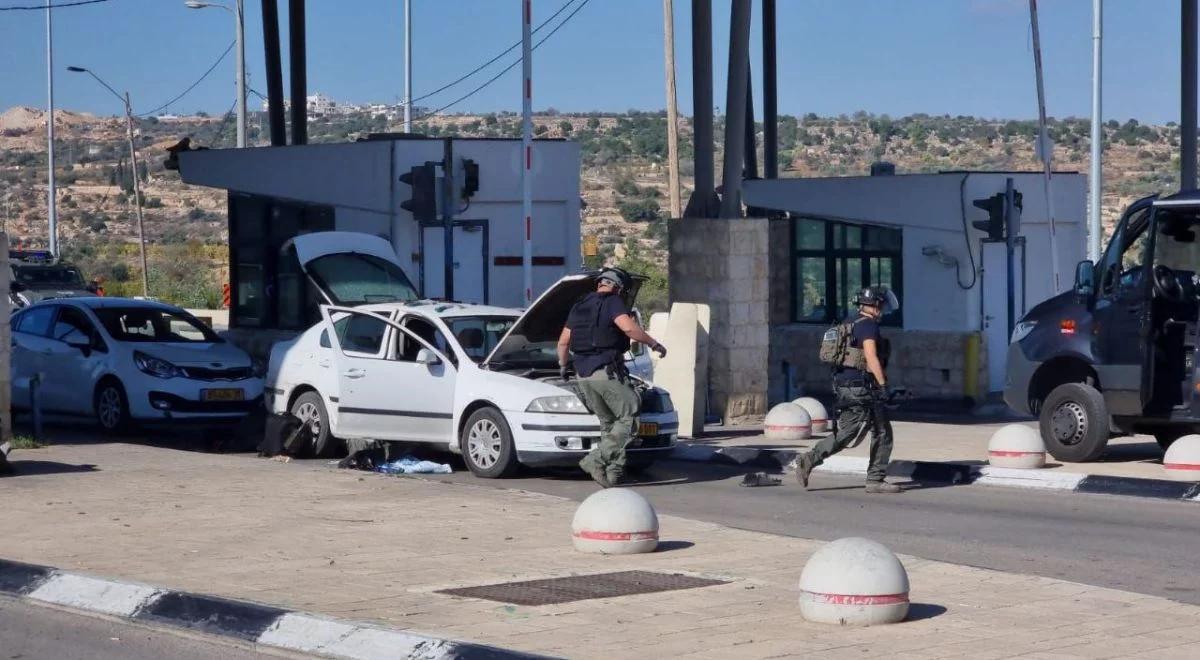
111,407
310,408
1166,436
487,445
1074,423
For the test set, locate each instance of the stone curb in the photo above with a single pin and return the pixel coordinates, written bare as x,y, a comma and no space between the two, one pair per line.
950,473
242,620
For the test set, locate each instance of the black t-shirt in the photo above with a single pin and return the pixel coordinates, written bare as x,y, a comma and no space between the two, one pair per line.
611,306
864,328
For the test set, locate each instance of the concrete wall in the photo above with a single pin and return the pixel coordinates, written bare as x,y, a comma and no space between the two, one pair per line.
724,264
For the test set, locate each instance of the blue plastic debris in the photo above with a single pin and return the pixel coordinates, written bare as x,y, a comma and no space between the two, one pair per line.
411,465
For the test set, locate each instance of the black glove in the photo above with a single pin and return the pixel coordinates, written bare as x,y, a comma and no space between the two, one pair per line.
660,349
562,371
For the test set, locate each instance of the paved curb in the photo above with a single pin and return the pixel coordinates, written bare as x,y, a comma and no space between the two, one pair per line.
245,621
951,473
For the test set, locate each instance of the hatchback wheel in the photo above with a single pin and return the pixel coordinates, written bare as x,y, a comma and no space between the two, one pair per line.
309,408
111,407
487,445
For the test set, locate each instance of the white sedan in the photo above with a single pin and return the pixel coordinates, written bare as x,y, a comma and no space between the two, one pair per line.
126,361
479,381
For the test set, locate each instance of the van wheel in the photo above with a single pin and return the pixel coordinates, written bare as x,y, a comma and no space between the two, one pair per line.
487,445
1074,423
309,408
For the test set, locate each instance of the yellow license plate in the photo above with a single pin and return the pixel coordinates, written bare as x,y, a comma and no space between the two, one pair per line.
647,429
223,395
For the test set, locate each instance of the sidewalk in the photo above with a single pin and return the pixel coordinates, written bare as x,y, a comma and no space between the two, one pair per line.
1136,457
373,548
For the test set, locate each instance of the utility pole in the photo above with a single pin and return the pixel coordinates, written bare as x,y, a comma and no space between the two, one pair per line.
527,145
51,196
137,196
1187,96
241,75
1095,171
672,109
408,66
1045,146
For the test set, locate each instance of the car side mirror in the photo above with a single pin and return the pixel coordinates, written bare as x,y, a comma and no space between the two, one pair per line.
84,346
1085,279
426,356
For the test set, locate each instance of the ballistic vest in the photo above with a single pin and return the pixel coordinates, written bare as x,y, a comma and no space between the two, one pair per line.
590,334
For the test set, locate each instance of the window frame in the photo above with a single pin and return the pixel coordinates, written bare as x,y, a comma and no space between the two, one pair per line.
833,256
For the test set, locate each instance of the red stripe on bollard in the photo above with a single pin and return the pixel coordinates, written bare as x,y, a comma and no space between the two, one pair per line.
854,599
615,536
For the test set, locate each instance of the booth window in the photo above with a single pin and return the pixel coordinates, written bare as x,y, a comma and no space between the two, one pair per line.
833,260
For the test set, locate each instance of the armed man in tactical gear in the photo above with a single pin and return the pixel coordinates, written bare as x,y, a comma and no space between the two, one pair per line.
598,331
858,355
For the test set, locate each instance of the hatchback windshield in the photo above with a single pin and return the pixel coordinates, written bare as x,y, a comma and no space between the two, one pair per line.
144,324
358,279
478,335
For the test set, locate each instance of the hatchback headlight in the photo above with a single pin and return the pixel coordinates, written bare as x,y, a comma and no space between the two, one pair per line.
155,367
258,368
1022,330
567,404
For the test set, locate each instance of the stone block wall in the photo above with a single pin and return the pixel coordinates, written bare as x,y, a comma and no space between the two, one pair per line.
725,264
930,364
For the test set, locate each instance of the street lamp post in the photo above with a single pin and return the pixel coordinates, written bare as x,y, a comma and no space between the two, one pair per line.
137,187
239,19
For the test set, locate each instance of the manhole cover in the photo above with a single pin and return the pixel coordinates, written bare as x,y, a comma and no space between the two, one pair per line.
582,587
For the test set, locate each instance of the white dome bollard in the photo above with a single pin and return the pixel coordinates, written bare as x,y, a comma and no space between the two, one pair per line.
854,582
787,421
1017,446
615,521
816,412
1182,460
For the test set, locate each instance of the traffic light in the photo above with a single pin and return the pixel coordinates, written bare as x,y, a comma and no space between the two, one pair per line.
994,225
423,202
470,178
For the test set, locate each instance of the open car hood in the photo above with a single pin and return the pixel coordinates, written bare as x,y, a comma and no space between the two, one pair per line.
365,285
543,321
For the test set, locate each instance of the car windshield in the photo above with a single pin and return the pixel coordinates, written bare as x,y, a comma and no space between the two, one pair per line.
478,335
358,279
146,324
54,275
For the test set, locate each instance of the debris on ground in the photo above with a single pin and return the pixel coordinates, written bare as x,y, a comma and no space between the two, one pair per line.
756,479
412,465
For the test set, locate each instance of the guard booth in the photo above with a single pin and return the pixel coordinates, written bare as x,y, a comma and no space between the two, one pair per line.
277,193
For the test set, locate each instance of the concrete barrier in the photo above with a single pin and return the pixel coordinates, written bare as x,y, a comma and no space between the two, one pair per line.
787,421
816,412
615,521
1017,446
854,582
1182,460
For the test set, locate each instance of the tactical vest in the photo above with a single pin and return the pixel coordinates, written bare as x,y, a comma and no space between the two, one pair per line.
836,348
591,335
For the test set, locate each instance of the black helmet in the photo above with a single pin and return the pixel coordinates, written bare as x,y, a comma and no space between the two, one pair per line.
615,276
877,296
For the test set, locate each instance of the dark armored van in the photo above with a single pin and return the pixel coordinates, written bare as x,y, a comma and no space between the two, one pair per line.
1117,354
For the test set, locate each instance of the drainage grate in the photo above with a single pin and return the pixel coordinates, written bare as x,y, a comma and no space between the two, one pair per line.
582,587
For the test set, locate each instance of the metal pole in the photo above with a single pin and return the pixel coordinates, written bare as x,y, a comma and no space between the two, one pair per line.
51,196
1187,93
274,67
1095,171
702,110
770,96
448,203
672,108
1046,148
527,146
137,197
1010,240
735,107
299,63
750,162
408,66
239,16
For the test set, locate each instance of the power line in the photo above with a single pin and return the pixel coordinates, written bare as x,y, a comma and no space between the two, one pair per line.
78,3
494,59
193,85
505,70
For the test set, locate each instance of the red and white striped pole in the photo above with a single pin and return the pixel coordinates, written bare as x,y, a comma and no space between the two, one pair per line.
527,145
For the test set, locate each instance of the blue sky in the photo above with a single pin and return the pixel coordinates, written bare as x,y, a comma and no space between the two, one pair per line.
835,56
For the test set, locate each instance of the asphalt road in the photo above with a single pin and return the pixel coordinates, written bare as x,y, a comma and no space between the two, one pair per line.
32,632
1133,544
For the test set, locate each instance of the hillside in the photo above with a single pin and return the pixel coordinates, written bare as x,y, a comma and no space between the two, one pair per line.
623,180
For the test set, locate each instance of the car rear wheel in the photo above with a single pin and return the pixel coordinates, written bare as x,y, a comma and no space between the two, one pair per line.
309,408
111,407
487,445
1074,423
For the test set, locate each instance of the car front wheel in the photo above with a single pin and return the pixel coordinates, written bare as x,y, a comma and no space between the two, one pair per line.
309,408
111,407
1074,423
487,445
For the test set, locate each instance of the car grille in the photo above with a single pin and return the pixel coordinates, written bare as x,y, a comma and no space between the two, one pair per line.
203,373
